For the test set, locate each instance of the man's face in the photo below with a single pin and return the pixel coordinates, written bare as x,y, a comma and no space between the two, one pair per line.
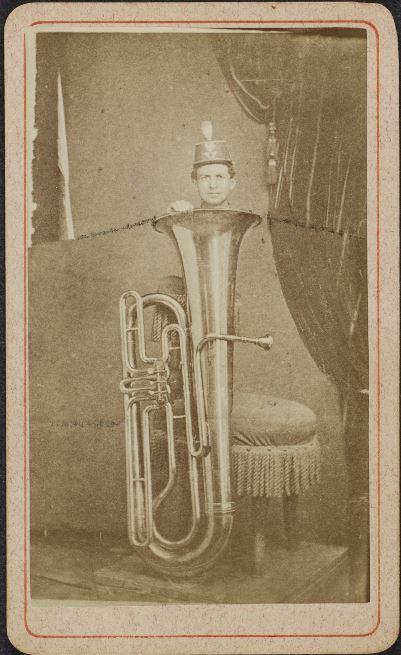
214,184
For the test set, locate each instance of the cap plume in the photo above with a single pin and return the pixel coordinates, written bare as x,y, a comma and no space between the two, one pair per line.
207,130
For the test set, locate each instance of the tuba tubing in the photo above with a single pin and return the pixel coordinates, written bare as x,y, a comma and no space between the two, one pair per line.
208,243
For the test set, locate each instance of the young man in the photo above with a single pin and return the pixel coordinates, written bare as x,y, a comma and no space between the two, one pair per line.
212,173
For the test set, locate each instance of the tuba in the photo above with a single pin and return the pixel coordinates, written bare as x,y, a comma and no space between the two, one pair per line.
208,243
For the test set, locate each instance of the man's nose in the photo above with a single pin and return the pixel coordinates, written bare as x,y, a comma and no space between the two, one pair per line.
213,182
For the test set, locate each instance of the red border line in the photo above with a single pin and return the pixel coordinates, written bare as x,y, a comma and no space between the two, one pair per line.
200,22
378,313
194,22
25,352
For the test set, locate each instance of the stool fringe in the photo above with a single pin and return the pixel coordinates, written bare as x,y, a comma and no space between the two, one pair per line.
276,470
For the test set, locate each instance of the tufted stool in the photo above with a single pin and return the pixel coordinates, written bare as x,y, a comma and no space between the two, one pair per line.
275,453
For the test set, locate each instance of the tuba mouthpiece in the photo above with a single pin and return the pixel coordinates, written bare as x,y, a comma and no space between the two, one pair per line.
265,342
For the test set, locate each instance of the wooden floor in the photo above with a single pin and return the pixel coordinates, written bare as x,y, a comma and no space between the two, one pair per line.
78,567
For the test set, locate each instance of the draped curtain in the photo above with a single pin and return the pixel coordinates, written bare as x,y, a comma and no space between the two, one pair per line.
311,85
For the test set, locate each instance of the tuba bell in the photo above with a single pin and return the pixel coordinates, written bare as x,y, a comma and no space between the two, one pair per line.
208,243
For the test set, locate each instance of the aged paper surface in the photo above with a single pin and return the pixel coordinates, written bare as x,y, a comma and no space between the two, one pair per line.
262,487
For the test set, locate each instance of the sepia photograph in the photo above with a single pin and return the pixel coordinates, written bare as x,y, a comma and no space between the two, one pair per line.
201,394
185,215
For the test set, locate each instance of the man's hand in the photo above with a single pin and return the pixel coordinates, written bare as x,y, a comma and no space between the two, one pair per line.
180,206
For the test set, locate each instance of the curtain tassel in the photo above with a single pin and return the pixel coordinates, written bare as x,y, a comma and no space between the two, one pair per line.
272,155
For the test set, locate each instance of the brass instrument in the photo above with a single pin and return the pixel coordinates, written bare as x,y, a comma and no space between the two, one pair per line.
208,243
